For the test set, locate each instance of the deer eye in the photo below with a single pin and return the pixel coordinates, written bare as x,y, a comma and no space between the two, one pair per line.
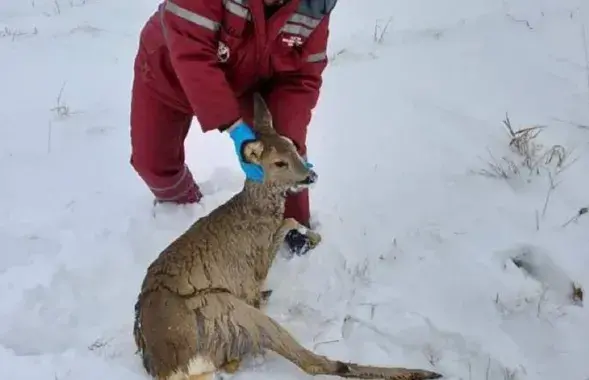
281,164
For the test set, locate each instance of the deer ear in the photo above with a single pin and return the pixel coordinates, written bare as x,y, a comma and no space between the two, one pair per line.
252,151
262,116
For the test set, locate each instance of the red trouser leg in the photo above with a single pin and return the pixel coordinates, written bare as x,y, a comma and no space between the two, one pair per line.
157,142
297,207
297,204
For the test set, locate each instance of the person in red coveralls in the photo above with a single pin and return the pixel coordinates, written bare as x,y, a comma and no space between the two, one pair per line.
206,58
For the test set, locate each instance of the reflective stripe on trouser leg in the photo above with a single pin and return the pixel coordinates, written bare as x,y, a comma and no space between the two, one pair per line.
180,187
157,142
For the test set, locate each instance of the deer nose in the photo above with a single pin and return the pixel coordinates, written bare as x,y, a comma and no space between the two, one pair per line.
311,178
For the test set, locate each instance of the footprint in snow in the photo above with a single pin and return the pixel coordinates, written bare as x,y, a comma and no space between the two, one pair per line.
216,190
156,225
24,248
424,344
222,179
537,264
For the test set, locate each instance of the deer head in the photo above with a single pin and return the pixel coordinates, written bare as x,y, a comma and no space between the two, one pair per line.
277,155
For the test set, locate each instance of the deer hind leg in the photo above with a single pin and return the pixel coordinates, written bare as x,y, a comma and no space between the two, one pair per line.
203,376
283,343
231,366
314,365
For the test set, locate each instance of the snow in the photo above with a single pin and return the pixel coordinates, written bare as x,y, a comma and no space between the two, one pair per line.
417,263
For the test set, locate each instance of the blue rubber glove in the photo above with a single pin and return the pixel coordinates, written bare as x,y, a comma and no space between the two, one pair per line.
240,134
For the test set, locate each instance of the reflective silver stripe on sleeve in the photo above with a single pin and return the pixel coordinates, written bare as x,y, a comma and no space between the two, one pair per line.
305,20
163,24
237,7
317,57
297,29
191,16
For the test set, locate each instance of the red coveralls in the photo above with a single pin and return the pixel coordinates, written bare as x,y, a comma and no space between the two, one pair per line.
204,58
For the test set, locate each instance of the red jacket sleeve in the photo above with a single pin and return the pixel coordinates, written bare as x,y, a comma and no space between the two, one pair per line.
190,28
293,96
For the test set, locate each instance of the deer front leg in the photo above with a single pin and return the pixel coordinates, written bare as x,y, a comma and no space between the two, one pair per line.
288,225
291,224
314,237
231,367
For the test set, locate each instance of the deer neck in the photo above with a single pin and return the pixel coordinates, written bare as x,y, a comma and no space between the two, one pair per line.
265,196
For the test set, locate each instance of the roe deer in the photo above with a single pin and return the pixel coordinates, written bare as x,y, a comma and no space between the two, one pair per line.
198,311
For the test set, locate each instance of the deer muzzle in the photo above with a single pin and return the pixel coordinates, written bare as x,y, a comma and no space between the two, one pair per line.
311,178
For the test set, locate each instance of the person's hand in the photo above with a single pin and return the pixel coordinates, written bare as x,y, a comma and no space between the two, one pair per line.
241,133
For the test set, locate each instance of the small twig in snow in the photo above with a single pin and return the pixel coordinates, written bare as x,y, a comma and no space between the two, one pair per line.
523,142
469,370
372,308
99,343
497,170
487,372
49,133
62,110
327,342
582,211
13,34
551,188
540,301
509,374
512,18
347,326
380,32
585,49
578,125
577,295
337,54
431,355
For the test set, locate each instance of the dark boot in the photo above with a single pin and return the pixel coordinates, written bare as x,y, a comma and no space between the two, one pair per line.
297,243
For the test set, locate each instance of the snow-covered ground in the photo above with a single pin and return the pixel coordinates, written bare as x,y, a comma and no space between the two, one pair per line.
424,208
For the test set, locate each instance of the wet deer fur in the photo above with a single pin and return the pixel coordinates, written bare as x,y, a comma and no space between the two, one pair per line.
198,311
